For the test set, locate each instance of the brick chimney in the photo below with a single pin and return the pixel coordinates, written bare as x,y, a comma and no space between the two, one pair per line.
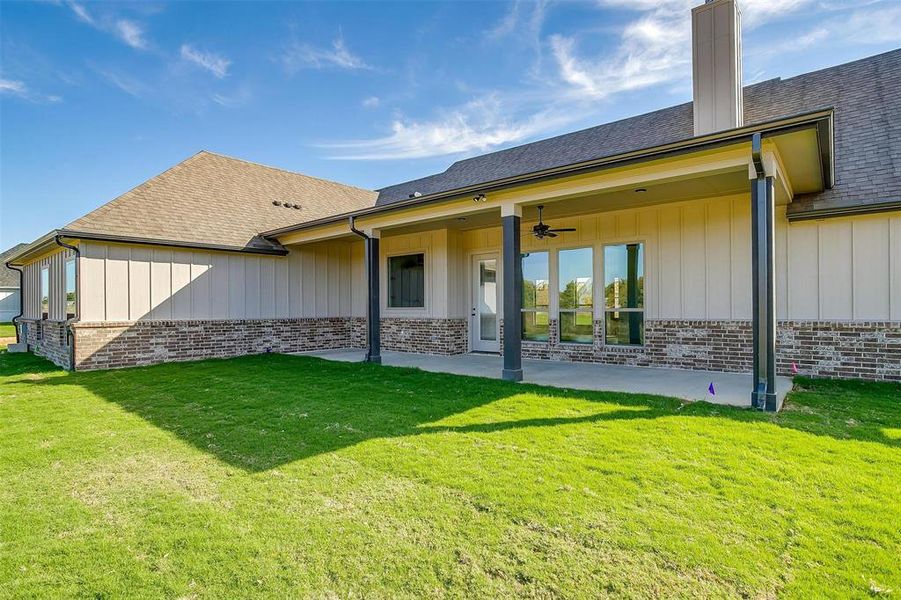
716,66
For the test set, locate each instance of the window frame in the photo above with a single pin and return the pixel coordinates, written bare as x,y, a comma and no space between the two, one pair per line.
591,311
550,283
74,262
425,280
44,274
603,293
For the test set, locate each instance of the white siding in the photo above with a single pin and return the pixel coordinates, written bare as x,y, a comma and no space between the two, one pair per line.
130,283
56,265
844,269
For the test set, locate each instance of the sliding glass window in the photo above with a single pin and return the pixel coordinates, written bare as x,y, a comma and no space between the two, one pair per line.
624,294
535,296
576,295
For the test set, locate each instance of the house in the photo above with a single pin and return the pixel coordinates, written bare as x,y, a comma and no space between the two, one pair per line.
10,303
755,229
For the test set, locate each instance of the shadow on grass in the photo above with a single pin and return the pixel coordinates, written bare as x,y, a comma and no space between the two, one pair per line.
259,412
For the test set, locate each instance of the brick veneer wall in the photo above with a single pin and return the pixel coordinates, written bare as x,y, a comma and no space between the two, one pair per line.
132,343
427,336
48,339
358,333
861,350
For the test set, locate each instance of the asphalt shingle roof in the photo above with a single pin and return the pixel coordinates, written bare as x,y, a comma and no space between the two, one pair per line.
8,277
221,201
867,106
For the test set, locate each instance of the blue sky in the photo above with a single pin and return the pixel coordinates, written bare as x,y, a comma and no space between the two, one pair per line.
97,97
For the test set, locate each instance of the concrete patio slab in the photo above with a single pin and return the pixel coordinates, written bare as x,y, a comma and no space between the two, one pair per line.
733,389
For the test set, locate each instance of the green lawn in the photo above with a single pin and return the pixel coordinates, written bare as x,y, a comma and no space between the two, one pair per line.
281,476
7,330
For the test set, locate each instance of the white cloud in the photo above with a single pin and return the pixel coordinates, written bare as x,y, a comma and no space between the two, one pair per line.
371,102
878,25
304,56
130,33
215,64
479,125
81,12
8,86
18,88
506,25
653,48
128,84
126,30
235,100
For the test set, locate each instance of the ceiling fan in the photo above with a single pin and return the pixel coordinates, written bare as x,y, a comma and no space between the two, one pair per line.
542,231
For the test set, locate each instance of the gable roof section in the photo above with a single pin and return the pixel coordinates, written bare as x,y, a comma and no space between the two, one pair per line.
8,277
867,137
218,202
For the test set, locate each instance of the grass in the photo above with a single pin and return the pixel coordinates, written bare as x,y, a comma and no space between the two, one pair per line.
280,476
7,330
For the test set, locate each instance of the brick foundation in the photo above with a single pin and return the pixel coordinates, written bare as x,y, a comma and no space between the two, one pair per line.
426,336
48,339
861,350
128,344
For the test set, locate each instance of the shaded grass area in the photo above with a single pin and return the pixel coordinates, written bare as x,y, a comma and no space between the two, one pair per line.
280,476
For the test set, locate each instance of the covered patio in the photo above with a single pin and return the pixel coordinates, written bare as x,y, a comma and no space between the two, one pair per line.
729,388
665,258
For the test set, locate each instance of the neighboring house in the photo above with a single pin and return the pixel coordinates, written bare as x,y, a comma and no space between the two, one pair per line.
756,229
10,299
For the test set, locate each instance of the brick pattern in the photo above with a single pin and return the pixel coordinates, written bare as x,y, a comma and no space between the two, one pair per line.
358,333
857,350
126,344
861,350
48,339
426,336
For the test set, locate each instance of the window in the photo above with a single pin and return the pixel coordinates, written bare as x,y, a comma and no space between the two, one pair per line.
45,292
406,281
70,288
576,296
535,296
624,294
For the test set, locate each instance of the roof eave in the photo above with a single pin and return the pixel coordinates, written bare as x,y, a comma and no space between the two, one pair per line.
822,119
40,245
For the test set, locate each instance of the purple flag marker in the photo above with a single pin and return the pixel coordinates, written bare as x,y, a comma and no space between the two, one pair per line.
711,390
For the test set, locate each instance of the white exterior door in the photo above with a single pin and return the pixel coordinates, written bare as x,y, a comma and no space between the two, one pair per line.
484,322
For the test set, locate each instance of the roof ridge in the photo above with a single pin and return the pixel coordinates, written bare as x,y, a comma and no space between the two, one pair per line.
279,169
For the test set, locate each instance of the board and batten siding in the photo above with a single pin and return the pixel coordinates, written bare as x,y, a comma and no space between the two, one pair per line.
132,283
56,265
698,260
